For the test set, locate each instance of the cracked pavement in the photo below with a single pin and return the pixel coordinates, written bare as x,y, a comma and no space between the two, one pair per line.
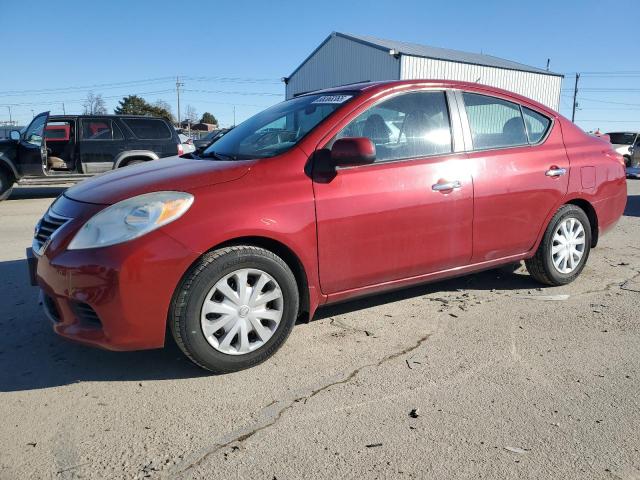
484,376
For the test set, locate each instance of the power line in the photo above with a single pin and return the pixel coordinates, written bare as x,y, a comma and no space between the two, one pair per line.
129,83
268,94
55,102
605,101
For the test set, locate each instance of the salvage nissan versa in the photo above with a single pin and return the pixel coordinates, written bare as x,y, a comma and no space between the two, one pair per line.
325,197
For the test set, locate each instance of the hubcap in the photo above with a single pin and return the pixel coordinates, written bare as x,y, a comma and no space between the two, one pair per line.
242,311
568,245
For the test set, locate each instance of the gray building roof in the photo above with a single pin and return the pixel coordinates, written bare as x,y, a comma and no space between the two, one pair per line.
416,50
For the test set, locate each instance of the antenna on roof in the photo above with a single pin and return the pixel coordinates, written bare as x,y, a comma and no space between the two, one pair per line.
548,62
478,79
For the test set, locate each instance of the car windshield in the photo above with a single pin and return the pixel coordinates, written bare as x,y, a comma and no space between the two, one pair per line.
622,138
276,129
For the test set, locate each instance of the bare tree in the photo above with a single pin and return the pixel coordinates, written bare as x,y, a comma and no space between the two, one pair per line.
191,115
94,105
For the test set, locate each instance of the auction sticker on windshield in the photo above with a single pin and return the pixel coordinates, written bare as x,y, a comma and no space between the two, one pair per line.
332,99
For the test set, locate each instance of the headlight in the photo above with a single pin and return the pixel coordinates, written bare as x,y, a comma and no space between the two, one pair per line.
131,218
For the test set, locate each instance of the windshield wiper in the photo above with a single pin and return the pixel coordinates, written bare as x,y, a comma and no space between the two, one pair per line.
218,156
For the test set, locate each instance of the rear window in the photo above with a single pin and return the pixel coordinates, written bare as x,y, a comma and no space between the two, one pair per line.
537,125
148,128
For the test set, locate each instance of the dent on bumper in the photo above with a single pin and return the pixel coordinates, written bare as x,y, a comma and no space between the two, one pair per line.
128,286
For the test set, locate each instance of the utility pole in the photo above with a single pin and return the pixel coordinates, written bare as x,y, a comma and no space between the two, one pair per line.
10,121
575,96
234,115
178,85
64,112
33,115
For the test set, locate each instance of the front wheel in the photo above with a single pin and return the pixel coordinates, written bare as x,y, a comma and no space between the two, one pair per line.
235,308
564,249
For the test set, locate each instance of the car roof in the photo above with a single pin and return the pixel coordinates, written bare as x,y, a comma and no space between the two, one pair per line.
65,117
377,86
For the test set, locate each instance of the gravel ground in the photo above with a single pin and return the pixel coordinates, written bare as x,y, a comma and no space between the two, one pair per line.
485,376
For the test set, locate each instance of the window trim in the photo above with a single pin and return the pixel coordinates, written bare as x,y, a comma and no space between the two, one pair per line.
467,128
450,112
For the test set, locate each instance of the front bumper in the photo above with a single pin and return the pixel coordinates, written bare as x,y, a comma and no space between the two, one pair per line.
117,297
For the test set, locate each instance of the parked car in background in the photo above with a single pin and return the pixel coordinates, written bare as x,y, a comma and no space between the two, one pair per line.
624,143
209,138
187,143
633,163
325,197
5,130
70,148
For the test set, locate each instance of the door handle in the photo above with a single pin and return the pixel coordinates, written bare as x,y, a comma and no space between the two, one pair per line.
555,172
443,187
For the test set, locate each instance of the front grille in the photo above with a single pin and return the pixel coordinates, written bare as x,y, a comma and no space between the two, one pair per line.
86,315
45,229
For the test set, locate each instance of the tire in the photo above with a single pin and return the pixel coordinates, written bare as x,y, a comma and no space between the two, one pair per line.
6,185
542,266
217,350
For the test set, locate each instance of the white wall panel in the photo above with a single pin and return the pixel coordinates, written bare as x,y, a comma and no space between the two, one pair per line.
540,87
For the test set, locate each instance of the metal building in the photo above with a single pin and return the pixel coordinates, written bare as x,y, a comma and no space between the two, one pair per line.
344,58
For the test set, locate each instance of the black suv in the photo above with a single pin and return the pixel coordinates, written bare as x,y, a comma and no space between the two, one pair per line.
69,148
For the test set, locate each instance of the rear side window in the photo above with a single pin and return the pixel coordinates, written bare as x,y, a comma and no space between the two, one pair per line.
148,128
494,123
410,125
537,124
97,129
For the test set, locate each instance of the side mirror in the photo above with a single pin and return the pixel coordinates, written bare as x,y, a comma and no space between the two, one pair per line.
353,151
14,135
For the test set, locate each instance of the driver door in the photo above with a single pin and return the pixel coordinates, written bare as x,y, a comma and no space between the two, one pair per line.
32,148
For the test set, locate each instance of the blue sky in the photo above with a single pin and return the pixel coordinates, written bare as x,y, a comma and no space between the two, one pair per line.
234,53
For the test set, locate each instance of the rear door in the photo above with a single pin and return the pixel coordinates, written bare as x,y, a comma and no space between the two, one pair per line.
521,172
396,218
100,141
32,148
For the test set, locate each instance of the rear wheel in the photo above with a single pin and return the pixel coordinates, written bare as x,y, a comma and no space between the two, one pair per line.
564,249
133,162
6,185
234,308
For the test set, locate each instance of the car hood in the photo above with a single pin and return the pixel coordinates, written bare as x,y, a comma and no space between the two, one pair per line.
173,173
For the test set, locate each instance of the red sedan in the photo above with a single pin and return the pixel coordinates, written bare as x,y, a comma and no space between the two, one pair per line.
328,196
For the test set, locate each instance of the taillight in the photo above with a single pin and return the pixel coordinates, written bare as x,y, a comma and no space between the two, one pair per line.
180,149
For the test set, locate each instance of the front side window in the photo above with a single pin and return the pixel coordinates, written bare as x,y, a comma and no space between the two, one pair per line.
494,123
33,134
406,126
276,129
97,130
58,131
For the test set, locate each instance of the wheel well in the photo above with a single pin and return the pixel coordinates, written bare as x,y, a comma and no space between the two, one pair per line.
289,257
127,160
591,214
